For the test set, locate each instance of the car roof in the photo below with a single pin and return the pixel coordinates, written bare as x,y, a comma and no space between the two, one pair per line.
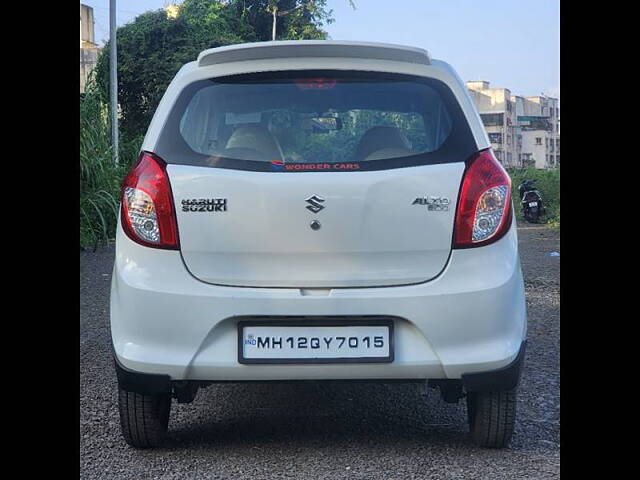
313,48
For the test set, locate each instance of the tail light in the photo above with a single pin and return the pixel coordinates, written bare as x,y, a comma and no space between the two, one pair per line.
316,83
148,215
484,208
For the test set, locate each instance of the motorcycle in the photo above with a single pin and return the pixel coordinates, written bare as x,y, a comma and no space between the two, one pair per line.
531,200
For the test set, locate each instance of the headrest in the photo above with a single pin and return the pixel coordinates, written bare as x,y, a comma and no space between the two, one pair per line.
378,138
256,137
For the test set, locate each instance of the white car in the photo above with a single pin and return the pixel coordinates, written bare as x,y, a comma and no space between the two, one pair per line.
317,210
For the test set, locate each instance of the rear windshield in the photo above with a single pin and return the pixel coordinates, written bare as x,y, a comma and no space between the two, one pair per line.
302,121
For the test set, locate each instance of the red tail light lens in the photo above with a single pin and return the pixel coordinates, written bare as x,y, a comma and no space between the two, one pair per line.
148,215
484,207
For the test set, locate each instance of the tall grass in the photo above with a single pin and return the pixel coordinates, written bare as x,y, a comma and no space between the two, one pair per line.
547,183
100,178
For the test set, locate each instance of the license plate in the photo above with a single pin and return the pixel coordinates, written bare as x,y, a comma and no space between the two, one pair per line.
533,204
315,341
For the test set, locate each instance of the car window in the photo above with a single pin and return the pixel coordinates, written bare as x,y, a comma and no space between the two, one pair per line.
288,118
315,126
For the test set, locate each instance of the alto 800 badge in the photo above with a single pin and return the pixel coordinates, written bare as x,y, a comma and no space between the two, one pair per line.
433,203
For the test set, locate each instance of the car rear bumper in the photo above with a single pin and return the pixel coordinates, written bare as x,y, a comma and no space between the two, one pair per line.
504,378
470,319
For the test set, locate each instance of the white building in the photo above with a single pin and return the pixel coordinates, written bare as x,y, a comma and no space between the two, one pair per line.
539,126
499,118
88,47
524,131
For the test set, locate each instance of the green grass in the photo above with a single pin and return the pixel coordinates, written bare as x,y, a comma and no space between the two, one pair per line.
100,179
548,183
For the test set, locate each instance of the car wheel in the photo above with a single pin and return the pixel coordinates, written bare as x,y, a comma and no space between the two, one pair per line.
492,417
144,418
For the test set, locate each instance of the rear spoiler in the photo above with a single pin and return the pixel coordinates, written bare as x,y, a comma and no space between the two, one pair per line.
312,48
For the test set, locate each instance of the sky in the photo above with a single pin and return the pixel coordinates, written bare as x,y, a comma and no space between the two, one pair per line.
513,44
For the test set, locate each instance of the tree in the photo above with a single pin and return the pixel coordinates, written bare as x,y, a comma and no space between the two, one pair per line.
301,18
306,23
153,47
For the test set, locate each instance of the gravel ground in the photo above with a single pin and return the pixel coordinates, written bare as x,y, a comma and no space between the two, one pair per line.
359,431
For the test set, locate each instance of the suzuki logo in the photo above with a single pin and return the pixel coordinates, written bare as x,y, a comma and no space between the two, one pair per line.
315,203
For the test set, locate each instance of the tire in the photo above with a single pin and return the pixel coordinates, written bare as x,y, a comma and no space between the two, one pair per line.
492,417
144,418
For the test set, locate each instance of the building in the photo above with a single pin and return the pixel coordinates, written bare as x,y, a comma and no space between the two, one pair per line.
539,127
88,47
499,118
523,131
